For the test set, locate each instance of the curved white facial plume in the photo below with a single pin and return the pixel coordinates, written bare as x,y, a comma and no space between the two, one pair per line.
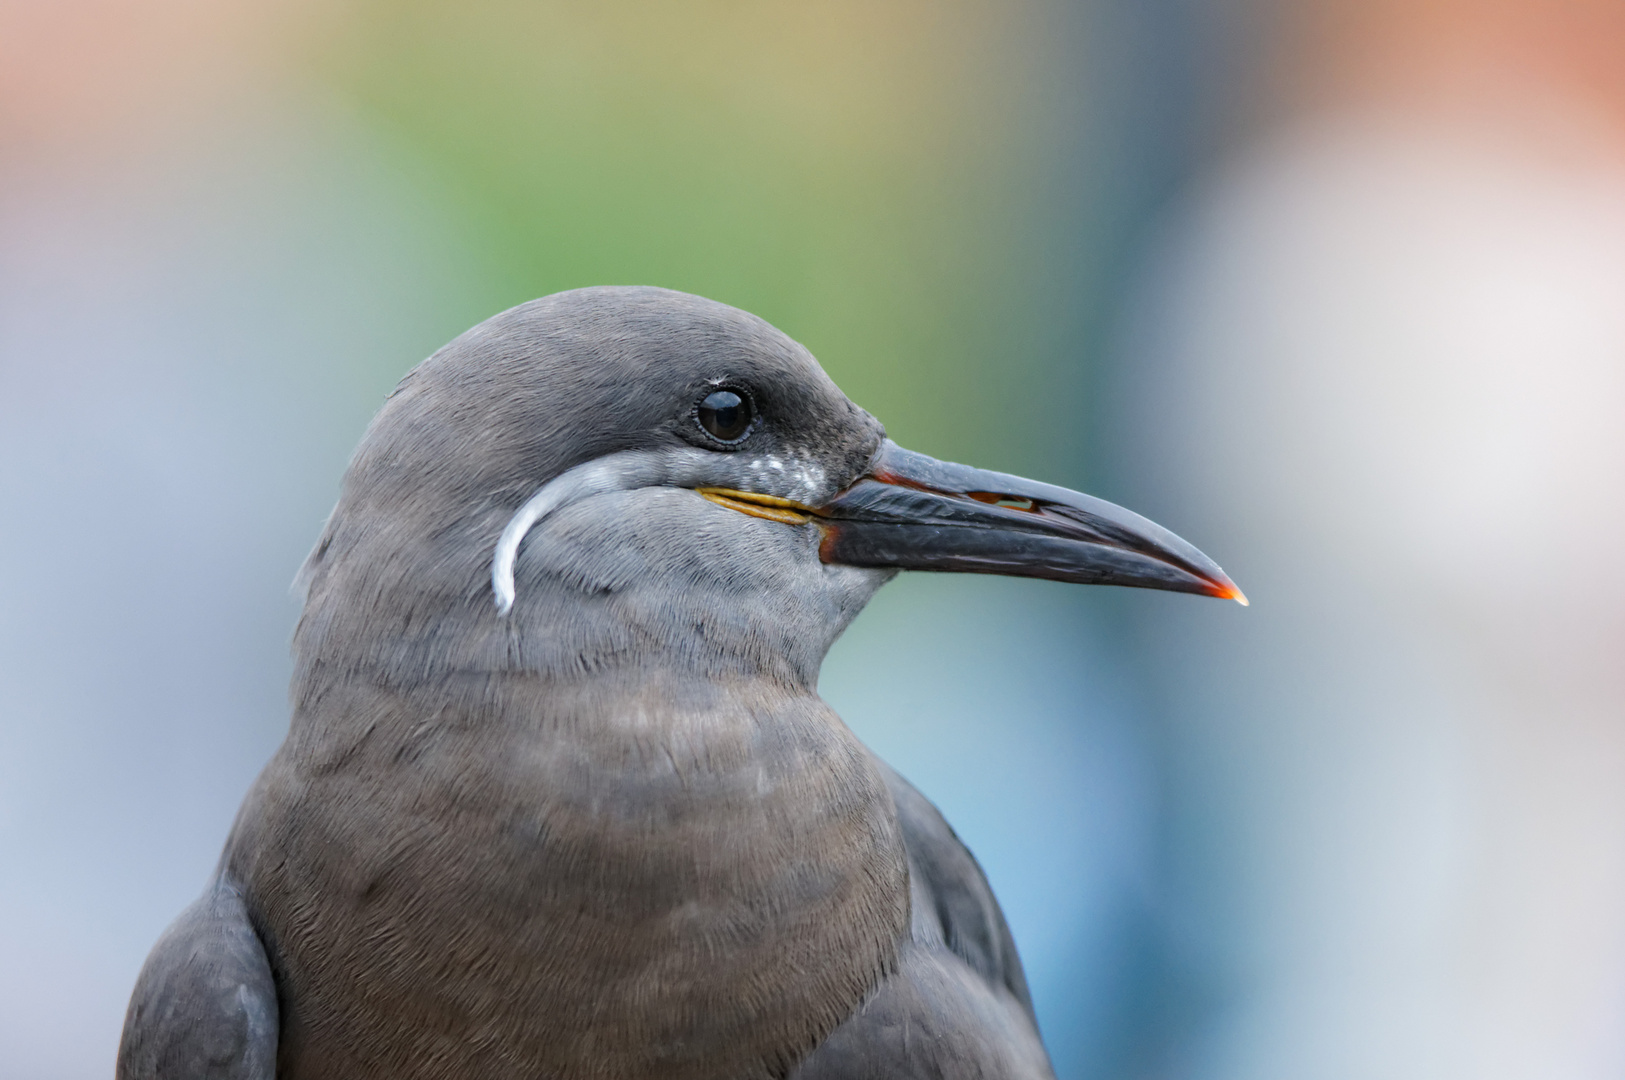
623,471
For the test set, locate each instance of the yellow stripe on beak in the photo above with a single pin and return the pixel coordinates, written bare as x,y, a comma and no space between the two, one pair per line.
770,507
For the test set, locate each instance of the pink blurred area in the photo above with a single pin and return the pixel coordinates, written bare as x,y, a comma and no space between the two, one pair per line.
84,77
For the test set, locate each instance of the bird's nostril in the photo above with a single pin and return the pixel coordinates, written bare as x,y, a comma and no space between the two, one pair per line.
1011,502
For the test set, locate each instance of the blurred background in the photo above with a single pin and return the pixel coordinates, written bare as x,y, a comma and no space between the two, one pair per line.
1336,289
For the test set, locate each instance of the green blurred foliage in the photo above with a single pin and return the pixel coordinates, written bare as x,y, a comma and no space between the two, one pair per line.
875,179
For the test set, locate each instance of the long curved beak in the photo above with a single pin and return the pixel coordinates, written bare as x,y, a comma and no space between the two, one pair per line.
914,512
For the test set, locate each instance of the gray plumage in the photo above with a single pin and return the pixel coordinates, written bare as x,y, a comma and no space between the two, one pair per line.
611,830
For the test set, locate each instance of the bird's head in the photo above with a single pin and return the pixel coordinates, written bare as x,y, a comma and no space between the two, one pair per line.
633,475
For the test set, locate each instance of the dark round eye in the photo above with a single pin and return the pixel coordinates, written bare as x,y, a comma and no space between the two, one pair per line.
725,415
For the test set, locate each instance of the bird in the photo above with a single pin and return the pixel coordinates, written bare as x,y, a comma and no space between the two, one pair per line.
559,797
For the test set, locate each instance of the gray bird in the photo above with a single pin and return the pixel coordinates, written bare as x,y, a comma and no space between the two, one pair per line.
559,798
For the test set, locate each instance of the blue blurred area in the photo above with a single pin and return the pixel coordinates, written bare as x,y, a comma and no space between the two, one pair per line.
187,361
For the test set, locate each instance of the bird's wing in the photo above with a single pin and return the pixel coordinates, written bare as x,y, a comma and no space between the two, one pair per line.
205,1004
957,1007
964,914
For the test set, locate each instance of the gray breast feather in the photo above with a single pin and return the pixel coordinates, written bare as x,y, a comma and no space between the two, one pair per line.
205,1005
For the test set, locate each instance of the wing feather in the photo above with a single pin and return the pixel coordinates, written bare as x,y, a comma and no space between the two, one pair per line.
957,1007
205,1005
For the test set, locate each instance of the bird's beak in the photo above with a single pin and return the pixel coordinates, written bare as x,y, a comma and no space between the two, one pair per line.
913,512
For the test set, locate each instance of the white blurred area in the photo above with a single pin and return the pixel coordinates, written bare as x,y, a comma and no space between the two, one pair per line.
1377,366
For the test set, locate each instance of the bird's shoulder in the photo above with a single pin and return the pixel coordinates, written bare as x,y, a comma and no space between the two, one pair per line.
957,1005
954,906
205,1003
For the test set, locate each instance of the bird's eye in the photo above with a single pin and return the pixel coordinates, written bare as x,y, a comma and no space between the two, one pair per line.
725,415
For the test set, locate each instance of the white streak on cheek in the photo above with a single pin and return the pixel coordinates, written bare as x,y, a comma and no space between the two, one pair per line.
617,472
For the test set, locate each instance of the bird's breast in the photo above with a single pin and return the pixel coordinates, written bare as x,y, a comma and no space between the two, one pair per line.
663,880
